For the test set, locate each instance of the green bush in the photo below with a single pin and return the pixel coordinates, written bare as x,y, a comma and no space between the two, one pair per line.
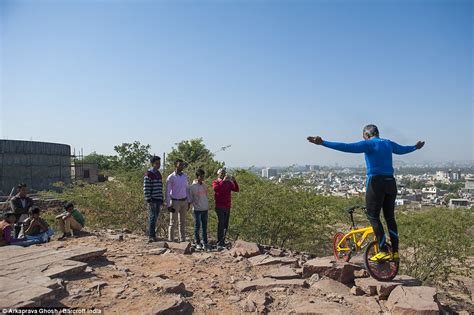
436,242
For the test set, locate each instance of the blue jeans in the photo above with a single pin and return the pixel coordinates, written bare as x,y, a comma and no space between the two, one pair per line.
200,217
40,238
153,212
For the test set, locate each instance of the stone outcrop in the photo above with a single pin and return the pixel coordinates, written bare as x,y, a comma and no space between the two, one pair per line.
413,300
244,249
327,266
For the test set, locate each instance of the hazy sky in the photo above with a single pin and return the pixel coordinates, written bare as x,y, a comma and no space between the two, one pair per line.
259,75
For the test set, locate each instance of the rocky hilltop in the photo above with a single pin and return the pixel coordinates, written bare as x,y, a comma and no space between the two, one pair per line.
122,274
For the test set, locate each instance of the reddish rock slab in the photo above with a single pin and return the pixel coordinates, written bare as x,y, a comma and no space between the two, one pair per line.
383,289
327,266
282,273
329,285
244,249
413,300
180,248
264,260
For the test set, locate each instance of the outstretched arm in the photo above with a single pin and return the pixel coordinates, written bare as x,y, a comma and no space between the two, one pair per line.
404,149
356,147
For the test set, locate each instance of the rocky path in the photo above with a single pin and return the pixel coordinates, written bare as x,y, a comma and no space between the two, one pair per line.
133,277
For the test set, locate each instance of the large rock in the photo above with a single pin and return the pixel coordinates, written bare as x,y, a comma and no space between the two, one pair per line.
383,289
329,285
170,305
26,272
263,260
282,273
275,252
327,266
268,283
180,248
169,286
256,302
413,300
244,249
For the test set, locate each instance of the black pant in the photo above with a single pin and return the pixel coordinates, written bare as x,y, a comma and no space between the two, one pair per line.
381,193
223,216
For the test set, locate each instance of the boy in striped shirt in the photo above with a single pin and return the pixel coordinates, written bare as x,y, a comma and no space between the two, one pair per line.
153,191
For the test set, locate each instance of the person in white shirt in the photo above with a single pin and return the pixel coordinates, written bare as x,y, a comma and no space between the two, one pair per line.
197,198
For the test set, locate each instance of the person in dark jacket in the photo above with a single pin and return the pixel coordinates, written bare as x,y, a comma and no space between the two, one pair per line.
20,205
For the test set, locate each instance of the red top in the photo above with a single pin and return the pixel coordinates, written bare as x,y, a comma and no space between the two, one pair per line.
222,190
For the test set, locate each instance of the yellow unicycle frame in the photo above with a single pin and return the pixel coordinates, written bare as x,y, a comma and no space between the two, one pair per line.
358,237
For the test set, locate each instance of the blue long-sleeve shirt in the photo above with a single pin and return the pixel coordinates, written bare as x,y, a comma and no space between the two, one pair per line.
378,153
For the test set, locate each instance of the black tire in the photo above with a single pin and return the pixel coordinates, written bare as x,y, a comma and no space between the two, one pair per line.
381,271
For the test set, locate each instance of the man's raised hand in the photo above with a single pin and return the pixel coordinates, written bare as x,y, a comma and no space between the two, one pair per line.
420,144
316,140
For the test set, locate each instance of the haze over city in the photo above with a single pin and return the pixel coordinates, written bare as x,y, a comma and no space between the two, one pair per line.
260,76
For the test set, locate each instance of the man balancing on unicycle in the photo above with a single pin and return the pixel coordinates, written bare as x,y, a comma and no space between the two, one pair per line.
381,188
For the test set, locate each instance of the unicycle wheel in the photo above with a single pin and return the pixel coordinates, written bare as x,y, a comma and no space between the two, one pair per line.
341,256
384,270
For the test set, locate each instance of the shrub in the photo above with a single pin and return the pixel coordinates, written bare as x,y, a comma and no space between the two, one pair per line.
435,243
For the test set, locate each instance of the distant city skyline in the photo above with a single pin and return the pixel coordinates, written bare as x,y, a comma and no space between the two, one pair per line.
259,76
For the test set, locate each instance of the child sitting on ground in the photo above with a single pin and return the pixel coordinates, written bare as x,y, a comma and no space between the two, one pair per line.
35,228
70,221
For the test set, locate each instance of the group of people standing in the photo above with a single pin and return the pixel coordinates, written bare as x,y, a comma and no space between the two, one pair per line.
180,197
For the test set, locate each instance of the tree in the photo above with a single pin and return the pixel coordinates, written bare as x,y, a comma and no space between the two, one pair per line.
194,153
132,156
104,162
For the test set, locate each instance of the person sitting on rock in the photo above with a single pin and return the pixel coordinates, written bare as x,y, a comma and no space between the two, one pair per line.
6,225
20,204
70,221
36,228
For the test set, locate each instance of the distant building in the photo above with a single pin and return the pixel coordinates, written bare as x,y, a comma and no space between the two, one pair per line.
469,183
88,172
269,172
450,175
456,175
456,203
402,202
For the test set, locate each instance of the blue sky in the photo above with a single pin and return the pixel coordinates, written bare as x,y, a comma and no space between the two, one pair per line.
259,75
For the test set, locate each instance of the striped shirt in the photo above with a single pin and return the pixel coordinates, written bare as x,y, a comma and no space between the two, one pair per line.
153,185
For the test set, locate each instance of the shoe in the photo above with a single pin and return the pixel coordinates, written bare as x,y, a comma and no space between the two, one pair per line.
381,256
220,247
198,247
152,239
65,235
395,256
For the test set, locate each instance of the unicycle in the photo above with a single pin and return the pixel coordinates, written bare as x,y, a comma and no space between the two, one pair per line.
384,270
